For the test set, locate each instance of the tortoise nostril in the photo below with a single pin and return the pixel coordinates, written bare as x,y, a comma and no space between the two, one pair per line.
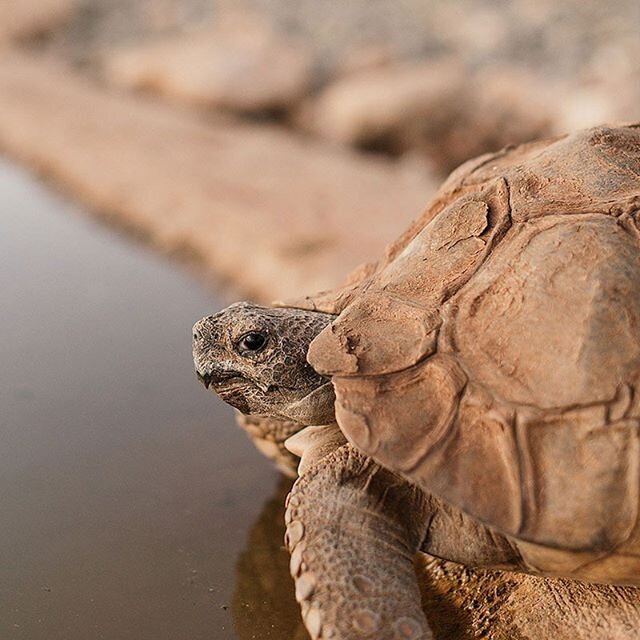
197,332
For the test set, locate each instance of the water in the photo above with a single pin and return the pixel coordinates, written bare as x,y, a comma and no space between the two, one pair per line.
127,494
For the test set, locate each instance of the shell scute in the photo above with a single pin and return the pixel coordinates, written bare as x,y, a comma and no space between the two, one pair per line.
401,417
393,324
553,319
593,504
585,172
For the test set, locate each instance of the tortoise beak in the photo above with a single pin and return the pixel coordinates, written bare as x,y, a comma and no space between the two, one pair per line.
204,378
212,376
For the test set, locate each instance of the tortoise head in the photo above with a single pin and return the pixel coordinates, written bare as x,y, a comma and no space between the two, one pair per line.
255,359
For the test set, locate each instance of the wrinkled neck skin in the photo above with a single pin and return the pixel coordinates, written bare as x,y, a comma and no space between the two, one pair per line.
317,407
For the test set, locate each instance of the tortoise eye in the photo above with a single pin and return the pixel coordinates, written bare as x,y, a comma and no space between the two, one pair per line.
253,342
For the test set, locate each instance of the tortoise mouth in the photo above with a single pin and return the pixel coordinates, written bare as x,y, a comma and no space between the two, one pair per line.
233,390
204,378
219,379
229,386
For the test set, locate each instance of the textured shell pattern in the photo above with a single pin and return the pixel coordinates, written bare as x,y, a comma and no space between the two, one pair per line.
493,356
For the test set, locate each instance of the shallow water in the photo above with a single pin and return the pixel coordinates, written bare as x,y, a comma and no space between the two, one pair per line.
127,494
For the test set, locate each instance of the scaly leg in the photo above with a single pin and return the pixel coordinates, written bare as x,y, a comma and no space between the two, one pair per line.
353,529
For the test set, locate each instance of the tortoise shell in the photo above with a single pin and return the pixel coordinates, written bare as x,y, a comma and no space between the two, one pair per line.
493,356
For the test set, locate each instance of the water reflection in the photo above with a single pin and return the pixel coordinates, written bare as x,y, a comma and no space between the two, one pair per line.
264,594
126,492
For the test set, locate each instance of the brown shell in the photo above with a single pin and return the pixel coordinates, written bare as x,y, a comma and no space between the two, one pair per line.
493,356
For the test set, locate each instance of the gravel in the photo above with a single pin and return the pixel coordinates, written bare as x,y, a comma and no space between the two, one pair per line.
577,38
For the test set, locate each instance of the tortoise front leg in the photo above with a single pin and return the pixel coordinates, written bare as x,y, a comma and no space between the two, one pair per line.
353,530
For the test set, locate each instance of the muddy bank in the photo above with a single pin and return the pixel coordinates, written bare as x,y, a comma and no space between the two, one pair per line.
275,214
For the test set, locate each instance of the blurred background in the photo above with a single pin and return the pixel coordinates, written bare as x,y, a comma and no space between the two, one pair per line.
271,146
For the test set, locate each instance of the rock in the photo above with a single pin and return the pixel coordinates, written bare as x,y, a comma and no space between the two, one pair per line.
240,64
23,19
608,90
505,105
438,108
380,106
365,58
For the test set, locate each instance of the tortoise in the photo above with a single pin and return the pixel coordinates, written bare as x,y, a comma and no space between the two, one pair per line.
473,395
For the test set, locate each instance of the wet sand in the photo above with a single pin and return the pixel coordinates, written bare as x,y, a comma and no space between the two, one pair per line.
127,492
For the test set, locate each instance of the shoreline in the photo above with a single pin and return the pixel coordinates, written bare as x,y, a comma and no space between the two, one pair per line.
270,212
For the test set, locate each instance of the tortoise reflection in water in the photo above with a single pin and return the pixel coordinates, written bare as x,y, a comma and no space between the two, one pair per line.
472,396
